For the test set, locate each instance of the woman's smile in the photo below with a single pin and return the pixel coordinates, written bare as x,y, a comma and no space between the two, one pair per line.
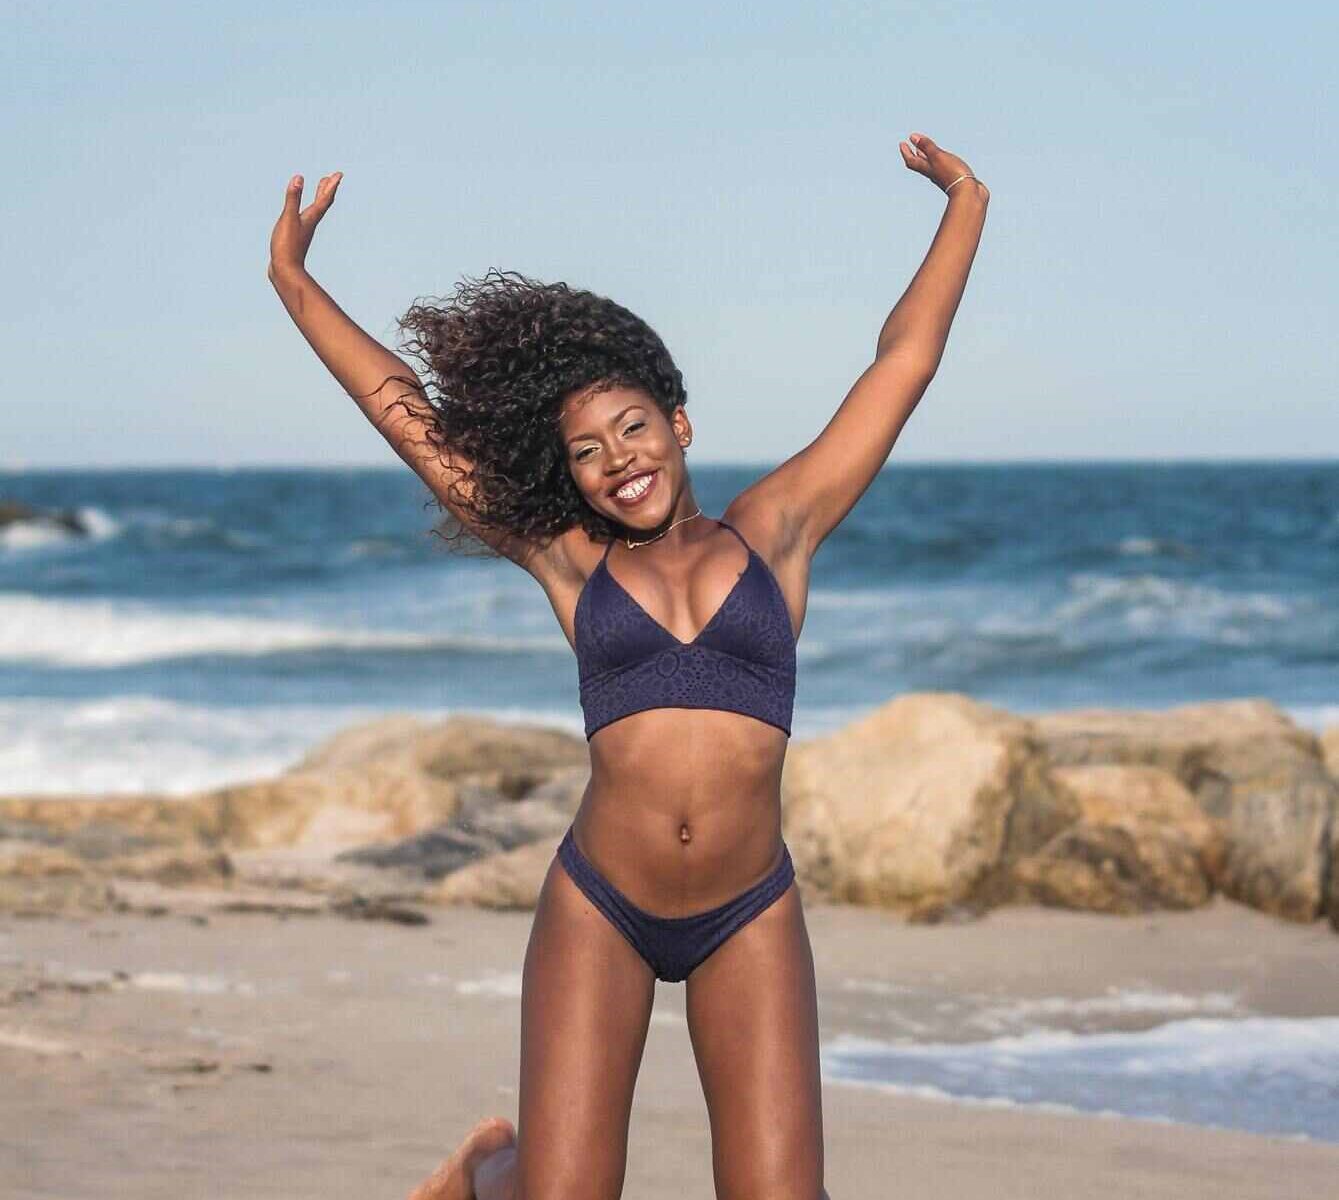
637,490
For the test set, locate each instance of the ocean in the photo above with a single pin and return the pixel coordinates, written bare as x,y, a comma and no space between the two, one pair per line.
218,623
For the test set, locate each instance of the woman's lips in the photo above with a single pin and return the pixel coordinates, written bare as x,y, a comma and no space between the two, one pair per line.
636,500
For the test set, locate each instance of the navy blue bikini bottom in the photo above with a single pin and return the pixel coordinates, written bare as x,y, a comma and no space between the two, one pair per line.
673,946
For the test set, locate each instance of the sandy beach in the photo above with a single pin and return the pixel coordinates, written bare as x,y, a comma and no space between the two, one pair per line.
242,1055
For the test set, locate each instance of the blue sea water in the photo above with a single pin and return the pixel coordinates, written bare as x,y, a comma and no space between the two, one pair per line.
219,622
1270,1075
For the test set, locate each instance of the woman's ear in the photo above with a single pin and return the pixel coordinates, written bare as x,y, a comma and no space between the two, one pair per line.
683,430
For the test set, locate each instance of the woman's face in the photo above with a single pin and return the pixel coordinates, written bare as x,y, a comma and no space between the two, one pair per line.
619,437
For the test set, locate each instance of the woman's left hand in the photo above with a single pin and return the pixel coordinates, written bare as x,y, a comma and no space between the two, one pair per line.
938,165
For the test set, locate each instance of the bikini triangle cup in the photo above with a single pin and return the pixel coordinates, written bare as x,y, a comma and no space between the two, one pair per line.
742,660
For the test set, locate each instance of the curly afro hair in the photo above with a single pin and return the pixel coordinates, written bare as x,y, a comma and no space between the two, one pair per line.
499,356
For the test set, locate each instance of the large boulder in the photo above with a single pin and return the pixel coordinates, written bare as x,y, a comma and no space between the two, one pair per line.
390,779
921,805
1260,777
1141,842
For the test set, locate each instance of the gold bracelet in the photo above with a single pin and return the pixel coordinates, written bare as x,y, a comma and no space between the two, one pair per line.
959,179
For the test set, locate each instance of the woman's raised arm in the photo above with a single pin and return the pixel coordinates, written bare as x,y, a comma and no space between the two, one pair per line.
810,493
382,384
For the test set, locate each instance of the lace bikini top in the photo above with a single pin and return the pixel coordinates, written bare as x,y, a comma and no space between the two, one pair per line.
742,661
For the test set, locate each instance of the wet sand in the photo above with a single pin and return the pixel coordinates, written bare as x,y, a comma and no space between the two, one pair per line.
257,1056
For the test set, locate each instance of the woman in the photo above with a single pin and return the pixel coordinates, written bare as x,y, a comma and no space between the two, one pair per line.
557,436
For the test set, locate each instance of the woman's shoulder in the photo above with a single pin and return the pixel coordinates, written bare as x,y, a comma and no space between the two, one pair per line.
762,524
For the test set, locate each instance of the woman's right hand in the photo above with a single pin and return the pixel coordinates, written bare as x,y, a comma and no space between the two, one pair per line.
294,230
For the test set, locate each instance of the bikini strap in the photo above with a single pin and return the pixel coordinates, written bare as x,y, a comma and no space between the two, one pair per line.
732,529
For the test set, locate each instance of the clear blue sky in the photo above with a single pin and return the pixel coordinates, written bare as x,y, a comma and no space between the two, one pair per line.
1156,277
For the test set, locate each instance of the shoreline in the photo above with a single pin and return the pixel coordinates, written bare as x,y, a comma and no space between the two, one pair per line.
244,1054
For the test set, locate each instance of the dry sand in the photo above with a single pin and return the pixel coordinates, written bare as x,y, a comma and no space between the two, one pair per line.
254,1056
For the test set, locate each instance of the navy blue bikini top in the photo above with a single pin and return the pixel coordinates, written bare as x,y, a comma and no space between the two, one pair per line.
742,661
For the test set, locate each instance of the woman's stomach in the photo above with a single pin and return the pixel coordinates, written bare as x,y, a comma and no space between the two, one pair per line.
683,808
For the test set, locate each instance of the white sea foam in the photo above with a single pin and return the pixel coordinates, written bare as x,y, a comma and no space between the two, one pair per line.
137,744
1144,601
1267,1074
1116,1002
1150,546
39,532
119,633
144,744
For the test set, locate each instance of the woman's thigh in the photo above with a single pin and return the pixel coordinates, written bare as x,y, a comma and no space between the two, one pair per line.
753,1020
586,999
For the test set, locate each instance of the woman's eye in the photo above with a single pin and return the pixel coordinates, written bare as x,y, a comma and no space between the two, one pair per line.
634,425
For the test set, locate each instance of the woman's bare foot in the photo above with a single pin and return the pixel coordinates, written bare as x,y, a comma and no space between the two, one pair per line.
454,1178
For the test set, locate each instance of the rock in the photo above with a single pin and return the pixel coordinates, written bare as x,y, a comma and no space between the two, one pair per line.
486,822
172,865
1259,777
1333,876
514,757
57,894
921,806
156,900
28,860
13,512
36,877
367,908
1329,749
1141,843
103,827
330,809
510,880
390,779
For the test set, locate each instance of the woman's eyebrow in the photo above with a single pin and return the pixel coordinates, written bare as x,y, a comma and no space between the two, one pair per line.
618,416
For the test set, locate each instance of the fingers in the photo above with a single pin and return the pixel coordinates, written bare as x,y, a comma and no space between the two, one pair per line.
293,196
325,195
913,157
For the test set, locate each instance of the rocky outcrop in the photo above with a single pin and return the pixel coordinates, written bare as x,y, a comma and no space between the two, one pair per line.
388,780
481,785
934,805
1141,842
1256,774
921,805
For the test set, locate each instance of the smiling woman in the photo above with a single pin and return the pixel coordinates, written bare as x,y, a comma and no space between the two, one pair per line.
551,424
499,358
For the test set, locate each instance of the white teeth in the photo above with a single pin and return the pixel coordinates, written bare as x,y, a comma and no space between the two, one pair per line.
635,488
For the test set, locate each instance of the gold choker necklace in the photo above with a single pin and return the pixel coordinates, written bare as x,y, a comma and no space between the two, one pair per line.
663,532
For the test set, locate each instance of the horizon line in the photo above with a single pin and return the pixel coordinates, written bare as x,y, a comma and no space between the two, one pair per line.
17,468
